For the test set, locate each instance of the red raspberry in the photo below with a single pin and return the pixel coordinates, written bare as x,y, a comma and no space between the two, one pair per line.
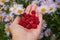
24,24
27,21
33,12
34,26
23,19
28,16
31,22
28,26
24,14
20,23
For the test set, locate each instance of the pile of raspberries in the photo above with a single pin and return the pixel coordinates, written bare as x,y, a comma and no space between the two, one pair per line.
29,21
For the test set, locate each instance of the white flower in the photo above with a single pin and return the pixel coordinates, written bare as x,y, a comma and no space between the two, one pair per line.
52,8
44,24
7,29
41,35
53,37
43,9
47,32
17,9
2,15
49,1
9,17
3,1
5,7
58,3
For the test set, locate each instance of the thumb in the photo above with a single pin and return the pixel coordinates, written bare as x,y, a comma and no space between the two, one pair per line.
17,19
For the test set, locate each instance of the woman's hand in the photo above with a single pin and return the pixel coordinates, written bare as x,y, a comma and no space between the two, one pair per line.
20,33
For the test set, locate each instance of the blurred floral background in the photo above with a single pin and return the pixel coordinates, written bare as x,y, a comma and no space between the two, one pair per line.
50,9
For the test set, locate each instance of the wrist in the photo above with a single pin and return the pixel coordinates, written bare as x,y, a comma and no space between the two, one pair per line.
20,38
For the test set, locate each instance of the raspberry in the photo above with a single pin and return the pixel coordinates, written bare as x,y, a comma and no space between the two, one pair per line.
28,26
28,15
24,24
20,23
34,26
33,12
23,19
29,21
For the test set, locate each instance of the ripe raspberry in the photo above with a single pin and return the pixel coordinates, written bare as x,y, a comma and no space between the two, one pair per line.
33,12
34,26
20,23
29,21
23,19
28,26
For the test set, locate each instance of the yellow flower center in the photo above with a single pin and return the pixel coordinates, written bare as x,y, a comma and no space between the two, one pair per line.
0,8
19,11
9,17
48,33
2,1
7,29
51,8
43,9
14,9
1,17
7,6
58,3
52,38
12,3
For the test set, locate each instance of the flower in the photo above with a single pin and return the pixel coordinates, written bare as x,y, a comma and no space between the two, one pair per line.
52,8
9,17
43,9
49,2
41,35
7,29
2,15
5,7
3,1
47,32
44,24
58,3
1,8
17,9
53,37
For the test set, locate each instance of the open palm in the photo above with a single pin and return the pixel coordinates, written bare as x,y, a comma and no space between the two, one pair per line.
20,33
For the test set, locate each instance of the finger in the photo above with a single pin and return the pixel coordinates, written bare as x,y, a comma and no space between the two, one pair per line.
28,9
40,19
34,7
17,19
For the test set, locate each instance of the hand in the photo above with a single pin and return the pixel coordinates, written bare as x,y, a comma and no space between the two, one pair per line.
20,33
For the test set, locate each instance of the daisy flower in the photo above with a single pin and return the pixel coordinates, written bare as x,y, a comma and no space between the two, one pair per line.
41,35
52,8
9,17
49,1
47,32
43,9
58,3
17,9
3,1
5,7
1,8
2,15
44,24
53,37
7,29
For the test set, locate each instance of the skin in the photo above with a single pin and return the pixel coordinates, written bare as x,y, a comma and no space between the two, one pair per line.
20,33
